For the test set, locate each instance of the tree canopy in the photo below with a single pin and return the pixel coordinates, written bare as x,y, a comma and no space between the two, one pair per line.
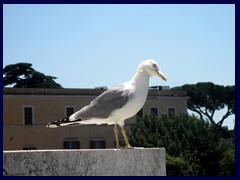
22,75
193,145
206,98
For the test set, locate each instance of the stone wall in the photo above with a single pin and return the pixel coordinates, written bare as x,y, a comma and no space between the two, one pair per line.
88,162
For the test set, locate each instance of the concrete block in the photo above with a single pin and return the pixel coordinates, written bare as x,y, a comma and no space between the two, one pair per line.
85,162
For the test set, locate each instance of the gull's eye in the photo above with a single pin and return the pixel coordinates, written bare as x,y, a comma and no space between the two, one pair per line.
154,65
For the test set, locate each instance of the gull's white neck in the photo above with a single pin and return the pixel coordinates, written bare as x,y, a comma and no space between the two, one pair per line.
138,87
141,82
140,76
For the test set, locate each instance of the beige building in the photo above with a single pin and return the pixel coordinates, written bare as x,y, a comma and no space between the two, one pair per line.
27,111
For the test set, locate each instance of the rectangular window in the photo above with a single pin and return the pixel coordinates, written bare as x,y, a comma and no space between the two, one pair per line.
29,147
69,110
171,112
139,115
28,116
71,143
97,144
154,111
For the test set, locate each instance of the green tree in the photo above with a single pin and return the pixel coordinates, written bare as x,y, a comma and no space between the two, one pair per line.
22,75
206,98
193,146
180,166
227,163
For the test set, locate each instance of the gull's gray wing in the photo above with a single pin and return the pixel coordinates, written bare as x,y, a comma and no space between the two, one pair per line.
104,104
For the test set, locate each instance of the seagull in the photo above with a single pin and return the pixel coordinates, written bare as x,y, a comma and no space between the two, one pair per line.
117,104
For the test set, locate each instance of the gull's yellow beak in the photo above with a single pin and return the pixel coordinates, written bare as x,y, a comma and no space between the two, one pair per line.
160,74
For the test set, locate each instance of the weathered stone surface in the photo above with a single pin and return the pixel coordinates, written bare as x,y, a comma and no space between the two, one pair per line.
101,162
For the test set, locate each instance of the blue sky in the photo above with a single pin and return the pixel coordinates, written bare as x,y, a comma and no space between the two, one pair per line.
86,46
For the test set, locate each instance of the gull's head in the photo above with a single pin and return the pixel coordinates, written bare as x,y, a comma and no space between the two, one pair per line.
151,68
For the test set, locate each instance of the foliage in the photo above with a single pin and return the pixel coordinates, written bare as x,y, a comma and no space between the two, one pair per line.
22,75
194,146
180,166
227,163
206,98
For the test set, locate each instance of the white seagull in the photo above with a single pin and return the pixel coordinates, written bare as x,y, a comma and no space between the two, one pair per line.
117,104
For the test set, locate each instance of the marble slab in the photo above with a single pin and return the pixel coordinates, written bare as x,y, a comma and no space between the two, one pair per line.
85,162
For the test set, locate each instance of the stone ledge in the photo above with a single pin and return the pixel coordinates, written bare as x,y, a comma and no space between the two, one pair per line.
85,162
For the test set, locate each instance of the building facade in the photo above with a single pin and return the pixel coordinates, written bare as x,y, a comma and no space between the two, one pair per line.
27,111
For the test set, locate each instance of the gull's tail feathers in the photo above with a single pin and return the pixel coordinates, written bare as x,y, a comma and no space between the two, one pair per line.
63,122
66,122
